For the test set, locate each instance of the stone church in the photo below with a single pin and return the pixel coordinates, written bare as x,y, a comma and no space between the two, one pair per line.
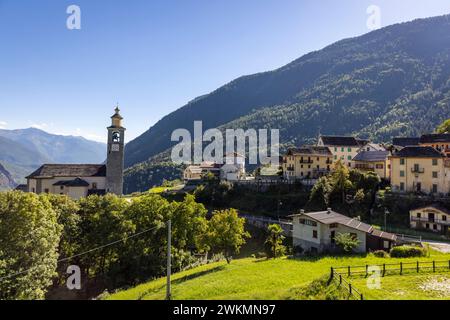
81,180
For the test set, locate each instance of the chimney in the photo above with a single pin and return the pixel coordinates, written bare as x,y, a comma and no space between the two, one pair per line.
302,211
328,210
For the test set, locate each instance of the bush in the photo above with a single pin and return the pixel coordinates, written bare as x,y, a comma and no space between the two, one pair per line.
261,255
381,254
408,252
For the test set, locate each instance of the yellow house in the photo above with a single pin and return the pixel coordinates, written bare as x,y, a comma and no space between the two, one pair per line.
420,169
308,162
434,218
342,148
440,142
374,161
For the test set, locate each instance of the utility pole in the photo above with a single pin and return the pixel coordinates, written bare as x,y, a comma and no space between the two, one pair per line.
386,212
169,259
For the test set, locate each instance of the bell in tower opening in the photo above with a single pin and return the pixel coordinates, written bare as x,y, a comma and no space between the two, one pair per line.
115,155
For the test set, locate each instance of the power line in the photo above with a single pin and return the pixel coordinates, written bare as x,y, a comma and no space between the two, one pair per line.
83,253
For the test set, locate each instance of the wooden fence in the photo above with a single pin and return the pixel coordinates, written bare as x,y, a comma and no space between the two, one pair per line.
342,282
338,274
396,268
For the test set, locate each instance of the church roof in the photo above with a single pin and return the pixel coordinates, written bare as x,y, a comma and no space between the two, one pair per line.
69,170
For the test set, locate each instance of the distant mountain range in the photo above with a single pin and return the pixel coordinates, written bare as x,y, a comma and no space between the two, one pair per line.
24,150
391,82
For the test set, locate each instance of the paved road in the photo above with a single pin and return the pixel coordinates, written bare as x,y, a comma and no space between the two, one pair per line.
441,247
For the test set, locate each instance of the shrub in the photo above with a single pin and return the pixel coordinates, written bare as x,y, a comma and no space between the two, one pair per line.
381,254
261,255
408,252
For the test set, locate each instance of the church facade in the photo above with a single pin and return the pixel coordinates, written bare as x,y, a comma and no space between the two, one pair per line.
81,180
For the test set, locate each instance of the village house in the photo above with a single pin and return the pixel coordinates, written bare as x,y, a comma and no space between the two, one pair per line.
342,148
420,169
199,172
405,142
308,162
440,142
374,161
81,180
433,218
315,232
232,169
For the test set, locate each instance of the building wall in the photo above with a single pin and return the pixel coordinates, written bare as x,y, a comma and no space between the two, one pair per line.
344,153
312,166
405,179
44,185
381,168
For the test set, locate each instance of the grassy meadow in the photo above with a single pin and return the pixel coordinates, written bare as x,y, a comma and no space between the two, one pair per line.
284,278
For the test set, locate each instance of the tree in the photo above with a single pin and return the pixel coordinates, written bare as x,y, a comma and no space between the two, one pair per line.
444,127
274,243
29,238
226,233
346,242
340,179
320,194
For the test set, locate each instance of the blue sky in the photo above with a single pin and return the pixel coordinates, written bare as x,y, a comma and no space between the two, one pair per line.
154,56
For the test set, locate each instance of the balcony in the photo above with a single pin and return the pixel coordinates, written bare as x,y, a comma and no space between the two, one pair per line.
306,161
290,169
431,220
366,167
417,170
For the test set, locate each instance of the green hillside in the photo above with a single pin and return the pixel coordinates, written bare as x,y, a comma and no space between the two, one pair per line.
374,86
270,280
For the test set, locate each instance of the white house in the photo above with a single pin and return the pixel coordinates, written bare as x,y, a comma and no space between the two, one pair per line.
315,232
433,218
234,167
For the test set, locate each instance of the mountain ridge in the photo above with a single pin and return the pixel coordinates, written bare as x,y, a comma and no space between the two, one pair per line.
23,150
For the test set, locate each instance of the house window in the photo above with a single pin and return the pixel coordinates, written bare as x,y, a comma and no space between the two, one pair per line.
335,157
46,190
33,190
444,218
402,173
333,226
419,215
335,149
435,188
402,162
435,162
434,227
342,149
427,226
349,150
61,187
315,234
435,174
94,185
402,186
379,166
354,236
349,158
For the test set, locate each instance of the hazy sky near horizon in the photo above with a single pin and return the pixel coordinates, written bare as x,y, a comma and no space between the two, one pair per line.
152,57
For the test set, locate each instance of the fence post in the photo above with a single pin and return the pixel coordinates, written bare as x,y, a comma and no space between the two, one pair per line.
401,268
349,271
362,297
367,270
340,279
384,269
449,264
418,269
434,266
332,273
350,288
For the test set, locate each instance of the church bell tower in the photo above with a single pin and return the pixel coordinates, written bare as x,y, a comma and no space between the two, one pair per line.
115,155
